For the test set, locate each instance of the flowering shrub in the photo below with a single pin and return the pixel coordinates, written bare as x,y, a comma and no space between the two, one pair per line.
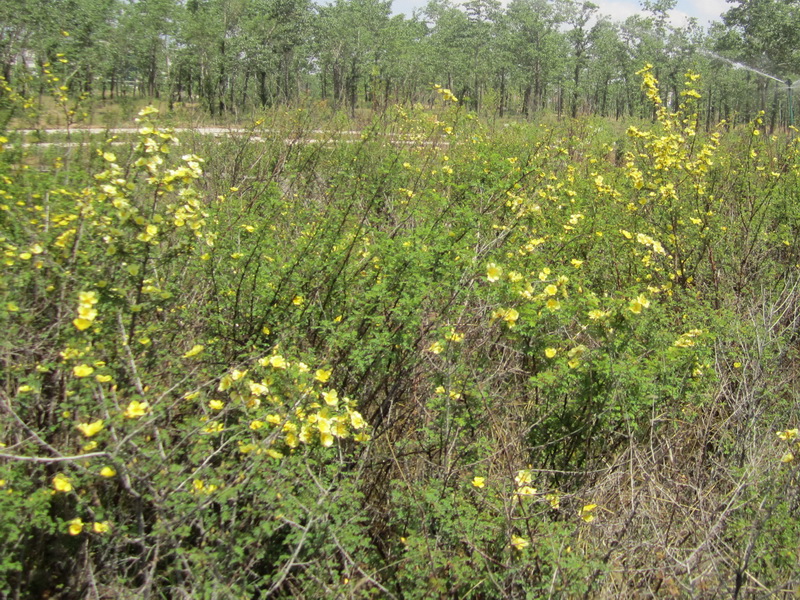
437,359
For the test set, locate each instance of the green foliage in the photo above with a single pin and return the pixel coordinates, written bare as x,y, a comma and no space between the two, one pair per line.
227,59
428,359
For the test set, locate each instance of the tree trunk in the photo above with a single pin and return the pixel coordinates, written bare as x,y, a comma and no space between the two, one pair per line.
502,107
263,98
338,91
576,76
526,100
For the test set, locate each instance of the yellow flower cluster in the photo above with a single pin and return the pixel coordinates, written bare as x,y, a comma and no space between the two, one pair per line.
76,526
285,405
509,315
790,437
687,340
587,513
650,84
673,150
86,310
445,93
113,186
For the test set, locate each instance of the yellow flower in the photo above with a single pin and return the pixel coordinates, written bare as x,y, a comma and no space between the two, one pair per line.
478,482
101,527
331,397
87,297
258,389
356,420
216,404
339,429
196,349
277,362
322,375
90,429
436,347
550,352
61,483
553,304
213,428
587,513
326,439
787,458
137,409
102,378
454,336
523,477
81,323
256,425
75,526
225,383
596,315
551,290
554,500
639,303
493,272
519,542
82,371
298,300
788,435
526,490
107,472
511,316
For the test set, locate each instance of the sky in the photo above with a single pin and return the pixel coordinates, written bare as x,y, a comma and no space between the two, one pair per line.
704,11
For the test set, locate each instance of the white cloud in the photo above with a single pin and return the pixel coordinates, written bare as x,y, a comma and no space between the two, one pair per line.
618,10
705,11
709,10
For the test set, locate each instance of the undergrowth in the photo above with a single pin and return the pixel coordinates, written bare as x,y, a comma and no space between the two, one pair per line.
431,359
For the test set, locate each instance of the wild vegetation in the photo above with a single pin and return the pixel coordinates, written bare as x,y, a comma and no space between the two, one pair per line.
228,57
424,354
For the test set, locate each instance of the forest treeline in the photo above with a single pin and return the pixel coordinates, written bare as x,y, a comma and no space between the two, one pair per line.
559,55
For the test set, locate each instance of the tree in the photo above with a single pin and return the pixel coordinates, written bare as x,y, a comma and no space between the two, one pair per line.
581,38
348,37
765,33
538,47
